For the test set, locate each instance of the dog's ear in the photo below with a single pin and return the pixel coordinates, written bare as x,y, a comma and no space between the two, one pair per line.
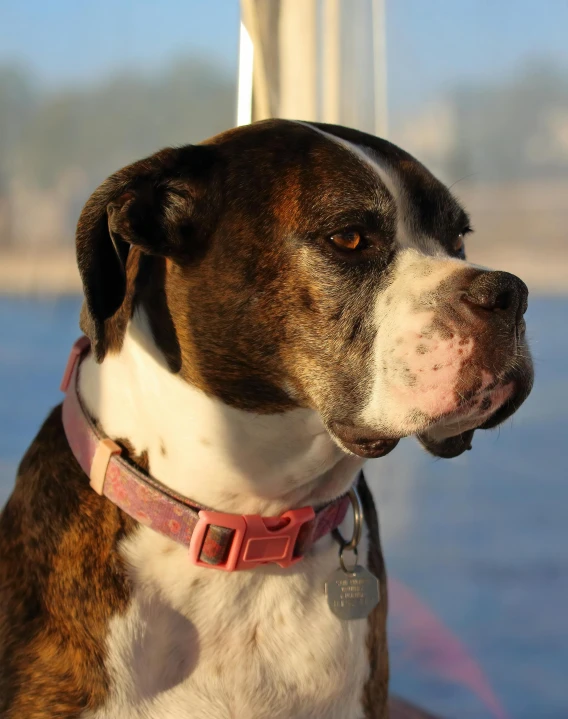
155,205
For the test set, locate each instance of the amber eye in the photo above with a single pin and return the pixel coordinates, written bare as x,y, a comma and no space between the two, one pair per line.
350,240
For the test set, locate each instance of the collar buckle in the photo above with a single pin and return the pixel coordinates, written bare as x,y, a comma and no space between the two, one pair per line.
256,540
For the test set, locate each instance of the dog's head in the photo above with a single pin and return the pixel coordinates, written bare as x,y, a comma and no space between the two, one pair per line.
286,264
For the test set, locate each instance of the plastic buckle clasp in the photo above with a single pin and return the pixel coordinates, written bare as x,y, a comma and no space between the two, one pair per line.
254,543
80,346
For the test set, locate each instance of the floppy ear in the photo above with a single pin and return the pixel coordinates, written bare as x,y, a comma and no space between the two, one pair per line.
153,205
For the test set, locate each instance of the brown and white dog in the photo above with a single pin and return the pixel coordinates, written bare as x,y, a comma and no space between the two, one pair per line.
266,310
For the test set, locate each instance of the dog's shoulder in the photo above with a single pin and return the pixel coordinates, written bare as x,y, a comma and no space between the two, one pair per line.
58,552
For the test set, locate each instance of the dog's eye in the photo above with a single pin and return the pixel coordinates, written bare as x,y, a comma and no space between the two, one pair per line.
348,240
458,243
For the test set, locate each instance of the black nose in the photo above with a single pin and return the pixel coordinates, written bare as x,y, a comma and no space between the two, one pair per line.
498,292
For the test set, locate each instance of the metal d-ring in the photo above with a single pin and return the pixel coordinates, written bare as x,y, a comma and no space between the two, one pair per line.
342,564
351,545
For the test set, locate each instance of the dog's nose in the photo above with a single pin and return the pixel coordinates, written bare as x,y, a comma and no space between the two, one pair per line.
498,292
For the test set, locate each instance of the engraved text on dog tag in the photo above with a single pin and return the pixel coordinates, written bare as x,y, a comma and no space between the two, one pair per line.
352,594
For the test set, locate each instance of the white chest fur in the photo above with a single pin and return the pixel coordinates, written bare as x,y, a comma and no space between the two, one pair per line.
202,643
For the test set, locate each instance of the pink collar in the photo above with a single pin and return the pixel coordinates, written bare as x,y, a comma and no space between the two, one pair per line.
215,539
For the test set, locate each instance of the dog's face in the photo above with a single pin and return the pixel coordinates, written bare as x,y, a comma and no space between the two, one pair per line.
286,264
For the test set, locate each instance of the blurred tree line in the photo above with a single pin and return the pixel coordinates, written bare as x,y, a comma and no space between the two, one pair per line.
50,139
509,129
512,129
57,145
104,126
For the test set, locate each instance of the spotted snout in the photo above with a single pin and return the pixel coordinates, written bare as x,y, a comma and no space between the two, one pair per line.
451,356
484,362
461,357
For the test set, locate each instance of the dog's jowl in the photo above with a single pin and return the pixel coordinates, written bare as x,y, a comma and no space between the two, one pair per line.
264,311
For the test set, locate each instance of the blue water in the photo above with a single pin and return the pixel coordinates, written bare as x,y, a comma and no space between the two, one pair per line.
482,539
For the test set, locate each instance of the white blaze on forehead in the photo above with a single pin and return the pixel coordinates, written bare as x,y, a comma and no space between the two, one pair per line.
406,234
405,237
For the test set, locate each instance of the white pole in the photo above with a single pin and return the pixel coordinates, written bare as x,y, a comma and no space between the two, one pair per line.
331,70
380,68
298,51
244,87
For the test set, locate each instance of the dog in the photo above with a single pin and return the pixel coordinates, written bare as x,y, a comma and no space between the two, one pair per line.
263,312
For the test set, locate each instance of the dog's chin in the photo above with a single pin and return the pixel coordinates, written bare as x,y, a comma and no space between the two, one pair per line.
442,440
448,447
362,441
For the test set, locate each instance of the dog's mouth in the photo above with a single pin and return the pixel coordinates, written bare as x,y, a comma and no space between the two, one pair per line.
361,441
445,436
450,436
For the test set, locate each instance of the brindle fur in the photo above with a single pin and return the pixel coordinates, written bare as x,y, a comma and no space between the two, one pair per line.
61,580
247,301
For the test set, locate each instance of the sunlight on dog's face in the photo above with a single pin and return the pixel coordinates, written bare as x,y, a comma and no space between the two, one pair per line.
450,352
389,331
287,265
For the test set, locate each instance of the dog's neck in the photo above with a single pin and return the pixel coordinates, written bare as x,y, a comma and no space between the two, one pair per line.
221,457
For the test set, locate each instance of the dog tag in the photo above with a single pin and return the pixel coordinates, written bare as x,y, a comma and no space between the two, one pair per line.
352,594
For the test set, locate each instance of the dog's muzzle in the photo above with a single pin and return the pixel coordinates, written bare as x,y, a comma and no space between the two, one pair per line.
493,305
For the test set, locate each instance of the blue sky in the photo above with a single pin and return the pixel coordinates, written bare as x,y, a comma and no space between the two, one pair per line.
432,44
65,41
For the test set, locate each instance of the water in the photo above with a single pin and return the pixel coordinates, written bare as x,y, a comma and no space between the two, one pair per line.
482,539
